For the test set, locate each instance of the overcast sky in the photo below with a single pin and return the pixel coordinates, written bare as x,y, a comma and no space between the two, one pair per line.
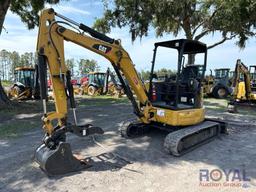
18,38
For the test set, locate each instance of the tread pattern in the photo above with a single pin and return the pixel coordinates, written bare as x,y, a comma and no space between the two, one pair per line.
173,139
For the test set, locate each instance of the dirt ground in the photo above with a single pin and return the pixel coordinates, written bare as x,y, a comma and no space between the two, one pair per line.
132,165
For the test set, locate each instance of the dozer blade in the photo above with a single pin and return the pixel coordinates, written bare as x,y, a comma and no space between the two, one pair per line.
58,161
184,140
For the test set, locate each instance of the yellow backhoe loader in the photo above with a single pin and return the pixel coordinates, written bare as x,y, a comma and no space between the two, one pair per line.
218,85
243,88
100,83
25,86
177,107
96,85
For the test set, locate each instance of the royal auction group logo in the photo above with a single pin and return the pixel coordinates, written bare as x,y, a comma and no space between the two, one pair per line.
235,178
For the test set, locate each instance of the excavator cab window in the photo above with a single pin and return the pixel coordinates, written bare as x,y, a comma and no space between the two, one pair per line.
221,73
97,79
100,78
252,70
182,90
29,78
25,76
91,78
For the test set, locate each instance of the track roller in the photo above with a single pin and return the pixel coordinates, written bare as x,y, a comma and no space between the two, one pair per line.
133,128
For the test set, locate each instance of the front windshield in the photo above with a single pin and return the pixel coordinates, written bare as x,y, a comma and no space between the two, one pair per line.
100,78
253,76
166,65
221,73
193,71
26,77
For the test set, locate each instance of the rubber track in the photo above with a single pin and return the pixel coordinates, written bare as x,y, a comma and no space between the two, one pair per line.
173,139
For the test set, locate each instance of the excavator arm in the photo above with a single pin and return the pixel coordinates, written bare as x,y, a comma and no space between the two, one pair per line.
50,49
241,70
243,94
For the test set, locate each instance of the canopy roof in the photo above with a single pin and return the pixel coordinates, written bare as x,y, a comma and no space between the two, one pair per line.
190,46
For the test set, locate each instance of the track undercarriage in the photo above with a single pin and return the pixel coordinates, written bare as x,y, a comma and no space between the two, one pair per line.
179,140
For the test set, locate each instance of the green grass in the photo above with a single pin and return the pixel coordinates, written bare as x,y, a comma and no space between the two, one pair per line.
6,83
100,100
21,107
11,126
216,104
220,105
13,129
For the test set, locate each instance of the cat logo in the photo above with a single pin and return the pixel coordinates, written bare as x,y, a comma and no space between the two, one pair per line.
102,48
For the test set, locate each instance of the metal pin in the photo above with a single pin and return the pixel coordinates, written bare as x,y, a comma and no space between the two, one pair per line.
44,106
67,19
74,114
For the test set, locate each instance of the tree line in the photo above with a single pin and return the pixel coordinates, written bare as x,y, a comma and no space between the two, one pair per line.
9,60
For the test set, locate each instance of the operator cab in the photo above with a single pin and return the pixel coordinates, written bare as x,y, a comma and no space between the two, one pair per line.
182,89
97,78
252,70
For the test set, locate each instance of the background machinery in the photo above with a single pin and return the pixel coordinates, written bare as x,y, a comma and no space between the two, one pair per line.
100,83
26,84
244,92
97,84
219,85
178,109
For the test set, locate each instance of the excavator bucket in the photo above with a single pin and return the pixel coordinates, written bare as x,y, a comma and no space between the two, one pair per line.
60,160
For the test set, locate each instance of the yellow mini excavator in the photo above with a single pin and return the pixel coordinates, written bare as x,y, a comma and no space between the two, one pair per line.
243,87
175,107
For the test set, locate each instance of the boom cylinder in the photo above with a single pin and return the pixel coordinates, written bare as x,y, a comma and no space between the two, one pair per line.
71,95
70,90
42,69
87,29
